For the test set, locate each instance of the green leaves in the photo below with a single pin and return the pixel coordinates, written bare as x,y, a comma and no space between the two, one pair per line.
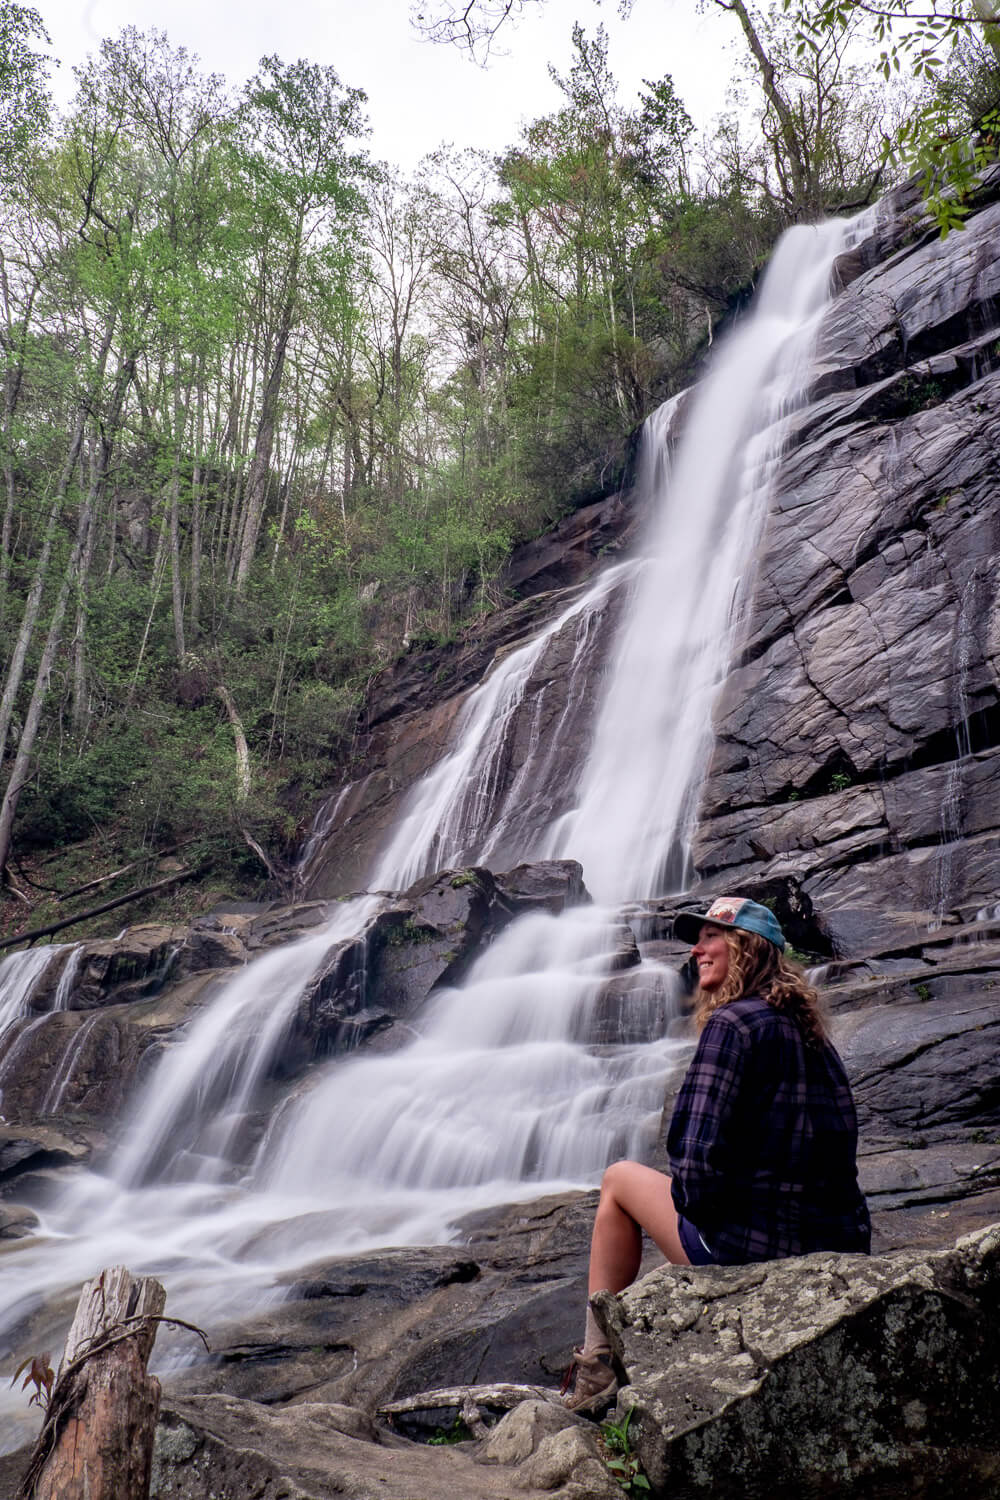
619,1459
24,98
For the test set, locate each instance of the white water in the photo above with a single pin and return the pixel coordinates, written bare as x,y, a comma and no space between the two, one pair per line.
19,973
964,650
503,1092
456,813
631,827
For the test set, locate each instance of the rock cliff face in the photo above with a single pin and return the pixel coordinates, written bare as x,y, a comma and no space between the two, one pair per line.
854,783
856,736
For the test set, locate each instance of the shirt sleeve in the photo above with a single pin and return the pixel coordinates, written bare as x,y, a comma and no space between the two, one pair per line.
703,1141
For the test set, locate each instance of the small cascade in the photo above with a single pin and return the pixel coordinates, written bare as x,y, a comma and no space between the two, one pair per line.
19,974
322,826
67,978
62,1073
205,1085
511,1046
965,650
465,808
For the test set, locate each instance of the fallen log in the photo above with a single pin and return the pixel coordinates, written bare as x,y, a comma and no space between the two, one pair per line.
97,1438
469,1401
97,911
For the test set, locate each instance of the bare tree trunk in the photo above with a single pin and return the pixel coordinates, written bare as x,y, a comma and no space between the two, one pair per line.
12,390
194,594
181,404
260,464
29,619
32,719
100,463
79,709
176,582
804,190
159,568
31,608
243,774
97,1441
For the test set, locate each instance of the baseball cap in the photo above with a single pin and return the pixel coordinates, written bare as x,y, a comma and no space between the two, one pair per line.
730,911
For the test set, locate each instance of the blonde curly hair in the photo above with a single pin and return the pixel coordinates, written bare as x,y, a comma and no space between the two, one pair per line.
757,967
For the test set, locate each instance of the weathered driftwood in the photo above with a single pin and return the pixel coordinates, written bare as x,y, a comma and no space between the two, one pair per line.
97,1439
469,1400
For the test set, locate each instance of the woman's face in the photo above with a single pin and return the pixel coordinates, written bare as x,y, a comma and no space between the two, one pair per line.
711,954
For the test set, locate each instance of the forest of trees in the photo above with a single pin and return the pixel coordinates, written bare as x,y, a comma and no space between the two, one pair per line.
272,411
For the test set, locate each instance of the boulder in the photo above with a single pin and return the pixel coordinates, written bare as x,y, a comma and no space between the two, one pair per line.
832,1375
232,1450
113,971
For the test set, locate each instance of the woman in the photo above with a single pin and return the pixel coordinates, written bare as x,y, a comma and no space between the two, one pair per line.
763,1140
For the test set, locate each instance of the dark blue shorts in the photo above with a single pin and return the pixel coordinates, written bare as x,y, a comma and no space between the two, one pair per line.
695,1248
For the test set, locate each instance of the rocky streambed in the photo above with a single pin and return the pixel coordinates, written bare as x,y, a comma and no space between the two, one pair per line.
292,1398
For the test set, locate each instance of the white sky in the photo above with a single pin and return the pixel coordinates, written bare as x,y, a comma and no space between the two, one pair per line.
419,94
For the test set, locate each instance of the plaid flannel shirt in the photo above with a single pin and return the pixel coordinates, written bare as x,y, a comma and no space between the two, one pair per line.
763,1141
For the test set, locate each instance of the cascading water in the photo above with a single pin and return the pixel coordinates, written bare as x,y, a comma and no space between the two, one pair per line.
20,975
501,1093
638,793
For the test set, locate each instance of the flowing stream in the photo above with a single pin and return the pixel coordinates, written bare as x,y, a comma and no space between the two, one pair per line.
507,1087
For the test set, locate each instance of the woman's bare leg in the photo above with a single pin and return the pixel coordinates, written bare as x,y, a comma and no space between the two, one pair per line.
633,1198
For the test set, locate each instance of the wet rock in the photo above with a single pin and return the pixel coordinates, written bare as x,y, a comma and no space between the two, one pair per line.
925,1070
282,924
833,1375
550,885
636,1006
77,1068
114,971
504,1304
208,948
29,1150
16,1221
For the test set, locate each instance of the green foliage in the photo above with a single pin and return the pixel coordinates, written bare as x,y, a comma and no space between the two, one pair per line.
320,406
24,99
445,1437
954,54
620,1459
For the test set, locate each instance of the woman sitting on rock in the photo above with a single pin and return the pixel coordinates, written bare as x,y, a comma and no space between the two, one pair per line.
763,1140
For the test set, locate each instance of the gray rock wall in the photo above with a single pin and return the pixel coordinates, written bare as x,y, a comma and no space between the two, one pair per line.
856,734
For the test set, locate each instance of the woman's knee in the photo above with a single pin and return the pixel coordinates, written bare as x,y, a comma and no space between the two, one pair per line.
616,1179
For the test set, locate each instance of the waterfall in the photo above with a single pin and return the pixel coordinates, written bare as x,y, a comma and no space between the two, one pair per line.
632,824
507,1087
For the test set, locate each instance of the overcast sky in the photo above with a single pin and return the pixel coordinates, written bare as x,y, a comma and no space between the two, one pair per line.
419,94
